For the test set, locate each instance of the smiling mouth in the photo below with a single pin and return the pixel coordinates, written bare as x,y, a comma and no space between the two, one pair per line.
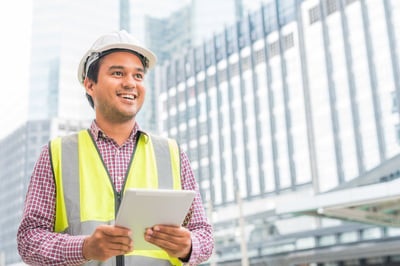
128,96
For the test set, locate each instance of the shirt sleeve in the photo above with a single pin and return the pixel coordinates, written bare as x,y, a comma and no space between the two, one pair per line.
196,220
37,242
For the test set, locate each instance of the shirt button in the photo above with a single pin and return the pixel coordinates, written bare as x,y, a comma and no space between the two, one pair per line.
120,178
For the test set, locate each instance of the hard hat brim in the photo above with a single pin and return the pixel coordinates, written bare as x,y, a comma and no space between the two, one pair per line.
151,57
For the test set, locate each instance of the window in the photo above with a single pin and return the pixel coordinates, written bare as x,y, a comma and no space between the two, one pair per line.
192,112
172,121
179,72
234,69
188,67
288,41
198,52
230,41
242,32
314,14
219,47
209,54
270,20
203,129
255,26
246,63
348,237
259,56
193,133
171,75
348,2
398,133
203,151
210,81
222,75
273,49
181,97
394,102
331,6
200,87
172,101
193,156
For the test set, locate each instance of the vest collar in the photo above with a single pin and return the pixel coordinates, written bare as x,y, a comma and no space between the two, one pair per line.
98,133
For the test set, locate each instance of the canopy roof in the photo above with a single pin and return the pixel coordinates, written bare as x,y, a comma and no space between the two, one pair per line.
372,198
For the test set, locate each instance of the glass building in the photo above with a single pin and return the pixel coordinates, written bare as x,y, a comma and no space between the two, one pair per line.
183,28
297,99
18,154
61,33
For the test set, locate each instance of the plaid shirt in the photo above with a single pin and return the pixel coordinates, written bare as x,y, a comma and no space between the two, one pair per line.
39,245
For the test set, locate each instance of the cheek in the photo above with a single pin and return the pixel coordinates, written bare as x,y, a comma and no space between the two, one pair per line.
101,95
142,90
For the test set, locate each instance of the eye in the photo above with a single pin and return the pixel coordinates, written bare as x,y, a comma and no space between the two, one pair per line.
139,76
118,73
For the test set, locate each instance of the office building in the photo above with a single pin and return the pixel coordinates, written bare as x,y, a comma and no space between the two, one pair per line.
56,104
296,103
61,33
185,26
18,154
189,25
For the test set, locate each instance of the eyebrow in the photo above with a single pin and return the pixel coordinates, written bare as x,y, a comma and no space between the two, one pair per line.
122,67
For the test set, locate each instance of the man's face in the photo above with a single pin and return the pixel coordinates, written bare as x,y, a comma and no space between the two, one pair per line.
119,92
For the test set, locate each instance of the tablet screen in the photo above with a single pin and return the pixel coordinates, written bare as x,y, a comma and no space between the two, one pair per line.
144,208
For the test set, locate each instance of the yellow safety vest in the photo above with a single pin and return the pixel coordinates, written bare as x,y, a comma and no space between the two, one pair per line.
85,194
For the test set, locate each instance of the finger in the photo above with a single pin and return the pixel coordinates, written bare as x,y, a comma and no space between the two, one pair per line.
120,240
171,232
148,231
162,243
120,247
167,229
120,227
163,236
166,240
116,231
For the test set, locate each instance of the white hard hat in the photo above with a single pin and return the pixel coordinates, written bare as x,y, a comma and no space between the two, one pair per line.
114,40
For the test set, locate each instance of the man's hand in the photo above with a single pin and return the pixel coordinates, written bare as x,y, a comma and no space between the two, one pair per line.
175,240
107,241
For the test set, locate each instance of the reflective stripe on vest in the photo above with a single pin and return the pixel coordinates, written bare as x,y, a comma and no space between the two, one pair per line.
85,194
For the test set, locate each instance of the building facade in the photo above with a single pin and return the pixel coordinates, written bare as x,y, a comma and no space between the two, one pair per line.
61,33
187,26
18,154
296,99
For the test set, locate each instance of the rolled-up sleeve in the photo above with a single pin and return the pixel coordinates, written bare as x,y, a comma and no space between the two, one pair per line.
37,242
196,220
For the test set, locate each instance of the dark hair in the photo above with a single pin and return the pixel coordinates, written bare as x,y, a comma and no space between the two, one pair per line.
93,74
93,71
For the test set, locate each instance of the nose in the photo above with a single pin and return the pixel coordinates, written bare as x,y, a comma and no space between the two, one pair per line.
129,82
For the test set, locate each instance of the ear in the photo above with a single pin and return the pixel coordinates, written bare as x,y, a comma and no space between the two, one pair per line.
89,86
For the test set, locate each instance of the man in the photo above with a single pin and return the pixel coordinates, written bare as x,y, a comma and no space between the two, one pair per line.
78,180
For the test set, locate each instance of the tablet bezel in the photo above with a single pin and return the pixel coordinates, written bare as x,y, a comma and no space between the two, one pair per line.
144,208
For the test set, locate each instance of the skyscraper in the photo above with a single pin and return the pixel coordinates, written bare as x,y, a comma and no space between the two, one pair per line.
18,154
296,99
61,32
187,26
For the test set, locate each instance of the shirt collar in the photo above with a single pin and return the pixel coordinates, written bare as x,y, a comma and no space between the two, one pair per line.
98,133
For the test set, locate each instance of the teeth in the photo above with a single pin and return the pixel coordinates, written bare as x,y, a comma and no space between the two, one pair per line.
128,96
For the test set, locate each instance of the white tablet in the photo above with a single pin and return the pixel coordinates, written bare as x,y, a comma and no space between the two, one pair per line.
144,208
